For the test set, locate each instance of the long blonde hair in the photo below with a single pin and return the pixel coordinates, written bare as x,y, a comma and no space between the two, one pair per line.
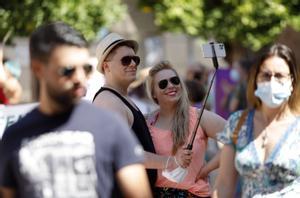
180,123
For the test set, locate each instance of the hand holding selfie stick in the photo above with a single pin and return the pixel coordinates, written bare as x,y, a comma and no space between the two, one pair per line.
216,65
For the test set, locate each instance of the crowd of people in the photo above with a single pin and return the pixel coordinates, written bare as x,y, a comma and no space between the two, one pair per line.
69,147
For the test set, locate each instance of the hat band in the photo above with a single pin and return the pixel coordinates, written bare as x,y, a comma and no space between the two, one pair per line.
111,45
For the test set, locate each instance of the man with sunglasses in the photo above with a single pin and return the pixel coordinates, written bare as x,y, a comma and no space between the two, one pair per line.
118,62
65,147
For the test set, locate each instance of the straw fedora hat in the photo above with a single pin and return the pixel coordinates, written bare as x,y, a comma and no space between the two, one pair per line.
108,43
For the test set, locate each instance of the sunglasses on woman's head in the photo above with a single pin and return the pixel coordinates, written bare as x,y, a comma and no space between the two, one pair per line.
164,83
126,60
68,71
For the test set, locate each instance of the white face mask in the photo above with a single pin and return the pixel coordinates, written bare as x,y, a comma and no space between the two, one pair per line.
177,175
273,93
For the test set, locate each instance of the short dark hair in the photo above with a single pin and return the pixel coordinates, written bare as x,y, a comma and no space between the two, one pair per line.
284,52
47,37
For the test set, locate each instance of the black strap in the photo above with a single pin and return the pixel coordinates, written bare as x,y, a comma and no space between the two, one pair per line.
129,105
111,45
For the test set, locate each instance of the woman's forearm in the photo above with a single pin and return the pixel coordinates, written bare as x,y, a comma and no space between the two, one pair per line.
154,161
213,163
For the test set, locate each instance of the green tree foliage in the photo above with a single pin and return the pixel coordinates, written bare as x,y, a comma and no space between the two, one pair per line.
253,23
88,16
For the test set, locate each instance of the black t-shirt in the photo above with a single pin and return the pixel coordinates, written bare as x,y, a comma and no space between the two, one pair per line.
73,154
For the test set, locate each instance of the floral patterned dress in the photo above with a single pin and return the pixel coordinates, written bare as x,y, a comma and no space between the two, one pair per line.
279,175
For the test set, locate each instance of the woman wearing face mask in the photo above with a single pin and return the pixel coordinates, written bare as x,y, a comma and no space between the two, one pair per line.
171,128
262,143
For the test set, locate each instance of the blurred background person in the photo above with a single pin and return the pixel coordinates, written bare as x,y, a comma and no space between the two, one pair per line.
196,92
138,93
171,128
199,72
10,87
95,80
237,99
262,142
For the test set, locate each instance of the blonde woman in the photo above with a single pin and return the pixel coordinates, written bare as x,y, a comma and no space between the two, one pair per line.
171,127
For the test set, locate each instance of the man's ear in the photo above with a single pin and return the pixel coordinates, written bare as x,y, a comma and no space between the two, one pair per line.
105,66
36,68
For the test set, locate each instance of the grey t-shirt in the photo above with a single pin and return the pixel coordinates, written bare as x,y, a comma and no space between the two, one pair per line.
74,154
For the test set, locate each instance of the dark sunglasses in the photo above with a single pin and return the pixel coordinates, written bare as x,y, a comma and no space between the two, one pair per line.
164,83
68,71
126,60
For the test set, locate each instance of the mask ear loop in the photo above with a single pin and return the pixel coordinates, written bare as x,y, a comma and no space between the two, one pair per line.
167,163
176,162
177,167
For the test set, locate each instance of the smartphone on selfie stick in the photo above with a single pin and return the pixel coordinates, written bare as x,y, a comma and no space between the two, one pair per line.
210,50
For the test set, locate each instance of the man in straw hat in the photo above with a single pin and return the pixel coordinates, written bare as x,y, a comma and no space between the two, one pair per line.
118,62
61,148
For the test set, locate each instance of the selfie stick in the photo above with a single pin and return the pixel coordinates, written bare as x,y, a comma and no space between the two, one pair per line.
216,65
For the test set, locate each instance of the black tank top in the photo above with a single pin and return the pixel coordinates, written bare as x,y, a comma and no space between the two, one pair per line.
140,128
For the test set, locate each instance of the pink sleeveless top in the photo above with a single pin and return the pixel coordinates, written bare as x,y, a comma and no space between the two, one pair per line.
162,140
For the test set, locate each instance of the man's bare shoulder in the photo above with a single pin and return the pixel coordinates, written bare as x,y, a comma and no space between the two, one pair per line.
110,101
107,98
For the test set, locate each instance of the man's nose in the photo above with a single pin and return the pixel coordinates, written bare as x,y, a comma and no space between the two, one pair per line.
132,63
79,75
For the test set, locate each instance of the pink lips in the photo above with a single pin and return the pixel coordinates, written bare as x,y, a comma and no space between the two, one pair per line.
171,93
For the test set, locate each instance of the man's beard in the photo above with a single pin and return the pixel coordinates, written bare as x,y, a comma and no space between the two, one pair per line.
64,99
